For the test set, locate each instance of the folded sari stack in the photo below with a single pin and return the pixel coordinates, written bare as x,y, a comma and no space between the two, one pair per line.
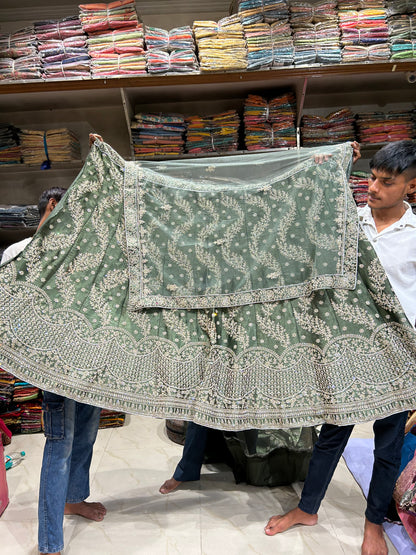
402,30
337,127
221,46
54,145
19,58
315,32
63,48
367,27
17,216
179,38
380,127
24,392
30,416
96,18
359,187
259,45
217,133
158,135
282,44
6,387
9,144
360,4
255,11
397,7
270,124
111,419
177,61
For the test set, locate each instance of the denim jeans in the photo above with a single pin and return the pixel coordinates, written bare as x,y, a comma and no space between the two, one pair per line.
189,467
70,430
388,441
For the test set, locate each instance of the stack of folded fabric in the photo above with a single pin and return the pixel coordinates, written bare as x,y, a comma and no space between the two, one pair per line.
115,38
255,11
270,124
364,35
9,144
19,58
397,7
259,45
6,389
221,46
63,48
381,127
24,392
158,135
16,216
170,51
402,30
361,4
359,186
30,417
217,133
337,127
282,44
111,419
315,32
12,417
54,145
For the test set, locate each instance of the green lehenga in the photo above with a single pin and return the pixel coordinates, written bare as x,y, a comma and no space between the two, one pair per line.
236,292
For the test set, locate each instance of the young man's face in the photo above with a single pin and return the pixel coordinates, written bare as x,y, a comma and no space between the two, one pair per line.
387,191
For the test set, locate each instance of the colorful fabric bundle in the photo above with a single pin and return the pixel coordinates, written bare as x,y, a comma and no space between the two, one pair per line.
374,53
256,11
119,41
259,45
363,27
177,61
360,4
115,15
111,419
270,124
12,216
359,187
24,392
303,13
221,46
395,7
30,416
69,27
282,44
54,145
337,127
158,135
114,65
6,387
179,38
317,43
9,144
402,30
19,44
216,133
26,67
380,127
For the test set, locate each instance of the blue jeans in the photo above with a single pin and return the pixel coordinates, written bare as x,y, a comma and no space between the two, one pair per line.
70,430
189,467
388,441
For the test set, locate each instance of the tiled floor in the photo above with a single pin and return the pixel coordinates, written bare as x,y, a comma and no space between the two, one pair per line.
211,517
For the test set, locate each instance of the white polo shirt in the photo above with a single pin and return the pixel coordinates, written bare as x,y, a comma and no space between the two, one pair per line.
14,250
396,248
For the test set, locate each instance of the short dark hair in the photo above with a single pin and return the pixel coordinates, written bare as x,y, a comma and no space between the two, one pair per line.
55,192
396,158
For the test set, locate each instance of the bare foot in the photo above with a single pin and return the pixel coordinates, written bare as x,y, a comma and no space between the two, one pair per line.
281,523
169,485
374,542
92,511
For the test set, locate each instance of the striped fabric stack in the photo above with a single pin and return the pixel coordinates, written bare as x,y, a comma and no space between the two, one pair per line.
270,124
9,144
19,58
63,49
337,127
170,51
221,46
47,147
217,133
115,38
402,29
158,135
315,32
381,127
359,186
364,32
